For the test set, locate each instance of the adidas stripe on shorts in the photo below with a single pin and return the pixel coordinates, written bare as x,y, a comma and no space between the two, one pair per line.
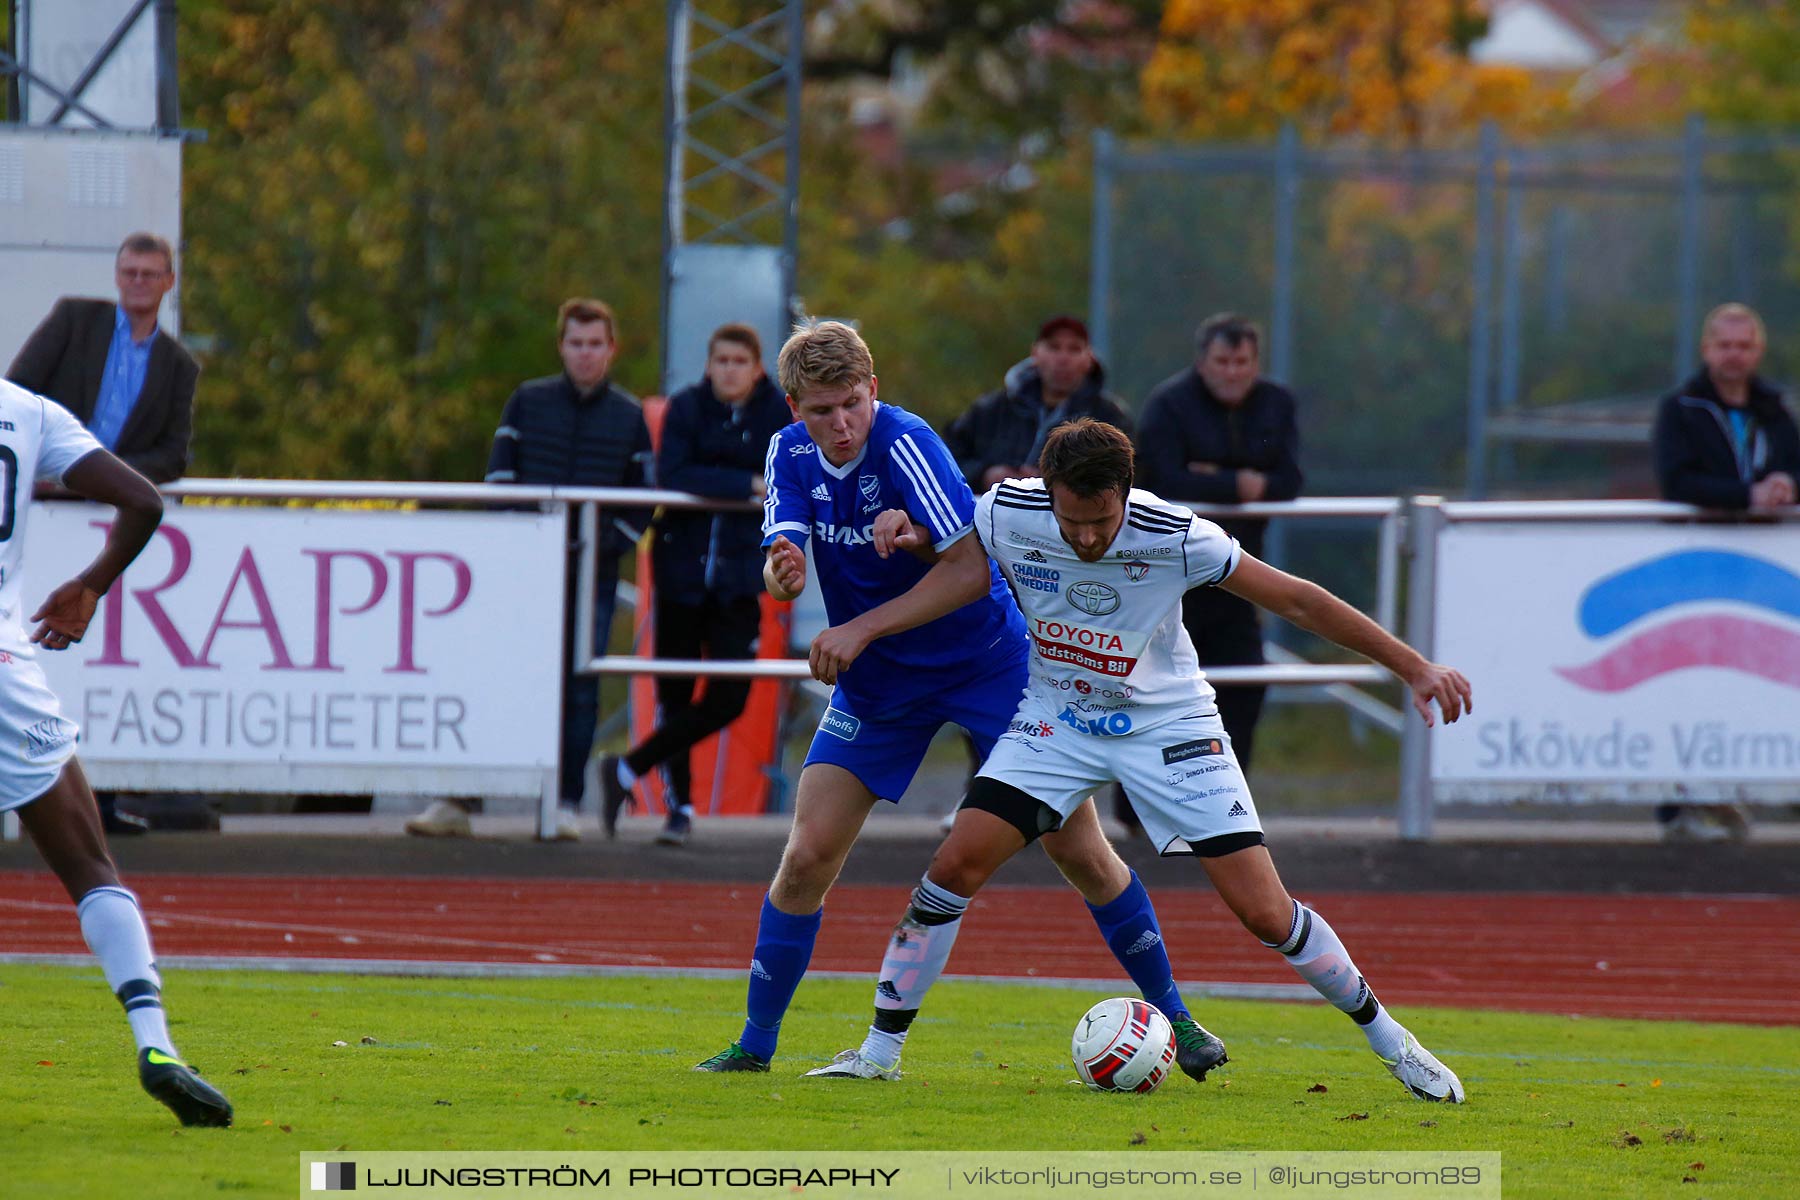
1183,779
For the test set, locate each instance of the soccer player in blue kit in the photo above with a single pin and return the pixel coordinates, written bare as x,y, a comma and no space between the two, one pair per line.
850,476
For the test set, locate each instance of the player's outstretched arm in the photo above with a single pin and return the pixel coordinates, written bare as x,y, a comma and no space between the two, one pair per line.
960,577
1312,608
63,617
784,570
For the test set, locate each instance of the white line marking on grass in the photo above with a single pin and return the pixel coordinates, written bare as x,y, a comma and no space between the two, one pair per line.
533,970
353,936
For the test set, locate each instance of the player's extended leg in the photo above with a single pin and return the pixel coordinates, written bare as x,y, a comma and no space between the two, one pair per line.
977,845
64,822
1248,883
829,811
1122,908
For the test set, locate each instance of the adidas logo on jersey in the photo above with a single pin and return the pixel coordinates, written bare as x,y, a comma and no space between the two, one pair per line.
822,493
1237,809
1035,556
1146,940
758,970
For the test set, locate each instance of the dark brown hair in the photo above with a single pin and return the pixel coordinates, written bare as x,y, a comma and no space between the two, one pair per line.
737,332
1230,328
583,309
1088,457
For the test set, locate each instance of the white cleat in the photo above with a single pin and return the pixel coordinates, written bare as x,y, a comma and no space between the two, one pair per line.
852,1065
441,819
1423,1075
568,825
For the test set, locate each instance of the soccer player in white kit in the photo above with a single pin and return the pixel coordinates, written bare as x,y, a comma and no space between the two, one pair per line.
1116,694
39,775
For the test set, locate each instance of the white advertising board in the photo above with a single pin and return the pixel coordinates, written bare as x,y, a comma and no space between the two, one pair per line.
1621,661
307,650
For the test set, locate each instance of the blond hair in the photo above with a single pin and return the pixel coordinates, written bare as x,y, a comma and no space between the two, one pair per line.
1734,312
823,354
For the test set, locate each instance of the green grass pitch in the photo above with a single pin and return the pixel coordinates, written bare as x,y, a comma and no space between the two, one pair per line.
1577,1107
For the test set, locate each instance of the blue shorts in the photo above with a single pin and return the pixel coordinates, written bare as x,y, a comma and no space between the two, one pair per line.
884,748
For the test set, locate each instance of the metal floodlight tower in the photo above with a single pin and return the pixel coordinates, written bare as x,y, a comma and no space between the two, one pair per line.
90,150
57,101
732,175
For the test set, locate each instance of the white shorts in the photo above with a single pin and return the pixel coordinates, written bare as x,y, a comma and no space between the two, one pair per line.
1182,777
36,740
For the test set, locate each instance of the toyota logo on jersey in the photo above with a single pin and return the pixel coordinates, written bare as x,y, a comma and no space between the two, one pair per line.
1094,598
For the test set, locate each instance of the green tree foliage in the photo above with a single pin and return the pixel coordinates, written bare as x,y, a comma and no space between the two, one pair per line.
1000,67
947,295
391,201
954,251
1748,55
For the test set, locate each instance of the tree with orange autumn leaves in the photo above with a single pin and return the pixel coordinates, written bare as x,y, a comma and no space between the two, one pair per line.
1392,70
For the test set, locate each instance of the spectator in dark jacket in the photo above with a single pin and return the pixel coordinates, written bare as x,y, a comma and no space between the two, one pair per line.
708,565
576,429
1002,434
1218,433
1724,440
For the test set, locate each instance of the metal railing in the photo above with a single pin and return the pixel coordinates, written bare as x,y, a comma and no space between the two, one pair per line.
1387,510
1421,520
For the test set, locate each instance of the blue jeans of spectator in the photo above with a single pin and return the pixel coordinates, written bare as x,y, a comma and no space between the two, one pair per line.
581,694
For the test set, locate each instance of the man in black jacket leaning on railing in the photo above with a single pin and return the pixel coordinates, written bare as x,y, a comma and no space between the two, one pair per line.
708,566
576,429
1724,440
1218,433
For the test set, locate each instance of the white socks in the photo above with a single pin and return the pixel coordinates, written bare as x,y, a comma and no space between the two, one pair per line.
916,954
114,928
1314,950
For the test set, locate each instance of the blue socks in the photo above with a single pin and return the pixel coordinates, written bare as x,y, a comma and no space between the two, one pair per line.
784,946
1129,926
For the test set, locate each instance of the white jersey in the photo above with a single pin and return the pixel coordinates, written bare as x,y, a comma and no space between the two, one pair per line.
39,439
1108,650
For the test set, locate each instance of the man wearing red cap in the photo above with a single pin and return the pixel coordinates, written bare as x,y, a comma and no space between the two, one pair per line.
1002,434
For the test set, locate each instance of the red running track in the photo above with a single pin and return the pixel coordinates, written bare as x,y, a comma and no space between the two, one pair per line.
1702,958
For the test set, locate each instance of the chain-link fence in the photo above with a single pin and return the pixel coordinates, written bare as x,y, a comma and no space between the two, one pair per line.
1496,318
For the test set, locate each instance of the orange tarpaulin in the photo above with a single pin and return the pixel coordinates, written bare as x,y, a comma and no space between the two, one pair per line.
734,769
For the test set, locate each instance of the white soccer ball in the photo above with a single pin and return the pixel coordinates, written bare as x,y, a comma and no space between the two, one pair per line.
1123,1045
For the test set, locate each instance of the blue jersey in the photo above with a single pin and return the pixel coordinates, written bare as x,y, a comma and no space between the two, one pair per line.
904,465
